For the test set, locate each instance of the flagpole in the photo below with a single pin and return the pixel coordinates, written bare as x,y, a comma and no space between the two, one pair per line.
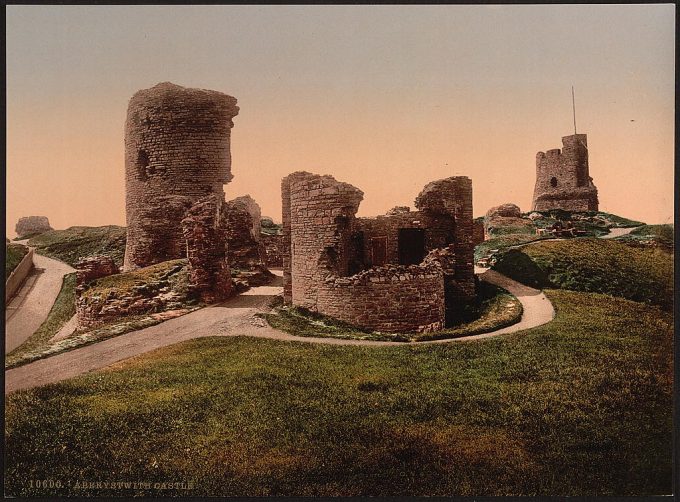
573,105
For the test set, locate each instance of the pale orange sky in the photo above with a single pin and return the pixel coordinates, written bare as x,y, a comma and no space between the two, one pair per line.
384,97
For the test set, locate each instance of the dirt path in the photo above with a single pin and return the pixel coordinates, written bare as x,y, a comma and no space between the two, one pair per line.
234,317
617,232
30,306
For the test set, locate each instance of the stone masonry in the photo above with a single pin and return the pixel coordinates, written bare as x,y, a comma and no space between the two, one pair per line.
404,271
562,178
206,240
177,150
245,250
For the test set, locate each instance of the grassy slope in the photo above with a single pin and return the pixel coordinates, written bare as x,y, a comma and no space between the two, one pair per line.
13,255
76,242
594,265
581,406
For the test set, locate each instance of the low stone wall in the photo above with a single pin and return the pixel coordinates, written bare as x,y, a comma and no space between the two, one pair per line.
18,275
394,298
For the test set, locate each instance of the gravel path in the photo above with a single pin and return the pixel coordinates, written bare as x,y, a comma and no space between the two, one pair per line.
235,317
30,306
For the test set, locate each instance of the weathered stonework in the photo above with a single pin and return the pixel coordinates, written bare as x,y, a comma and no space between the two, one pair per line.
478,233
245,250
378,273
177,150
562,178
93,267
158,297
32,225
273,247
204,229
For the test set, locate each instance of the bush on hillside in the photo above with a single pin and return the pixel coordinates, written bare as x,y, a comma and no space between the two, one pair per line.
594,265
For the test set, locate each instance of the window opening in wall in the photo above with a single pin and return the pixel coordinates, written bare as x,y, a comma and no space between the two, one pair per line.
142,164
553,182
411,246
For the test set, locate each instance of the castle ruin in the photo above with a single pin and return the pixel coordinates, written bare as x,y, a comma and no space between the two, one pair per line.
404,271
562,178
177,151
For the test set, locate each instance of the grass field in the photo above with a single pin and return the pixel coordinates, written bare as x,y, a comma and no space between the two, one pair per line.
580,406
594,265
13,255
78,242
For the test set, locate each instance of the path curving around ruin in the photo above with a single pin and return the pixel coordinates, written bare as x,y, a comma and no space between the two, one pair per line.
236,317
30,306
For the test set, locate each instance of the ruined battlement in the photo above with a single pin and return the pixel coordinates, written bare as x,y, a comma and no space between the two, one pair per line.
379,273
563,179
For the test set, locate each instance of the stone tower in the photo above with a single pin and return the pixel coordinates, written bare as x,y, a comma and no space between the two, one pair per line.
562,178
177,151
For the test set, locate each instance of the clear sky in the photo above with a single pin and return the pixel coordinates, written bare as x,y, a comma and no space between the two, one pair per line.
384,97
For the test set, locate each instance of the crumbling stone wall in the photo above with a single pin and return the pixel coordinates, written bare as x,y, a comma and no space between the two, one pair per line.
453,197
273,247
32,225
245,249
562,178
93,267
327,264
177,150
478,232
206,241
394,298
159,295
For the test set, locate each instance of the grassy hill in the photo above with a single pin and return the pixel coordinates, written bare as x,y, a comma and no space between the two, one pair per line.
593,265
580,406
78,242
13,255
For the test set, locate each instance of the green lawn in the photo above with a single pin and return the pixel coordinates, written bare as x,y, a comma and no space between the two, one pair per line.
13,255
580,406
78,242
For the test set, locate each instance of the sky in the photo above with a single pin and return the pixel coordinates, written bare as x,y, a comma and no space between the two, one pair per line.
386,98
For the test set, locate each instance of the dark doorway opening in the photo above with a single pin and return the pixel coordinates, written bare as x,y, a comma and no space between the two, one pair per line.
378,251
411,246
553,182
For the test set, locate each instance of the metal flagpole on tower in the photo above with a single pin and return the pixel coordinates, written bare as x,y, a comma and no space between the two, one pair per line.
573,106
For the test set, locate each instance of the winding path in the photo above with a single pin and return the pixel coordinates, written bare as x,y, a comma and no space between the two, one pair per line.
236,317
32,303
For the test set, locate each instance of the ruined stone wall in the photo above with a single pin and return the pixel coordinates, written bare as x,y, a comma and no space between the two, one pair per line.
274,250
322,253
453,196
438,228
478,232
562,178
245,250
206,240
319,225
177,150
394,298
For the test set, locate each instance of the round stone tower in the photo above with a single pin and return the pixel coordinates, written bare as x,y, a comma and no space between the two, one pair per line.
177,150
